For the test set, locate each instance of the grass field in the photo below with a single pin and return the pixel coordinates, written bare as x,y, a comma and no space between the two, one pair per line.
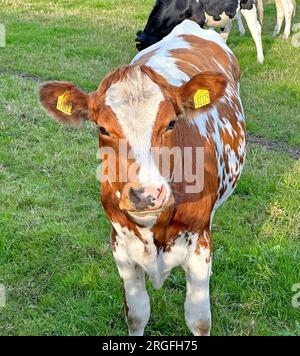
55,256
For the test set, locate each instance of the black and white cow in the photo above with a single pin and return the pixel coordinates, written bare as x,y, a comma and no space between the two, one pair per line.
167,14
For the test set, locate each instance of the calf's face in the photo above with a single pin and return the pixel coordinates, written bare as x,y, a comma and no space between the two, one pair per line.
137,113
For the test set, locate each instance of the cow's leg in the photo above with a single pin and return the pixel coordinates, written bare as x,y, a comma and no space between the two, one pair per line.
240,24
197,304
288,7
136,299
280,17
255,29
226,31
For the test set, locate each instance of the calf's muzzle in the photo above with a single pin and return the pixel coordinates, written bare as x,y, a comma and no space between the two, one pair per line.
138,199
140,41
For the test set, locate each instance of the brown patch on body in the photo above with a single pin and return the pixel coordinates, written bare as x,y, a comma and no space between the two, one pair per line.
205,242
192,211
202,54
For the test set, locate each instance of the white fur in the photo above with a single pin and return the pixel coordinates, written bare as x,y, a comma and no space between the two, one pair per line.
135,101
134,256
165,64
255,29
240,24
197,303
133,276
285,10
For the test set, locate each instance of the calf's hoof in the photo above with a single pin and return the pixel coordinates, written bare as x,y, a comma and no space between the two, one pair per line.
260,59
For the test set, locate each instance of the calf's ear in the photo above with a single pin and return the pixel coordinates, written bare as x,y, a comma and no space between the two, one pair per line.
65,102
202,91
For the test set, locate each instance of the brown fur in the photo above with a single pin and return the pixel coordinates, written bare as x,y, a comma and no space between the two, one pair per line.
192,212
49,93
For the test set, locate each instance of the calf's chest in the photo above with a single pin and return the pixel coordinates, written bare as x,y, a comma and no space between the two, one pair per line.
131,250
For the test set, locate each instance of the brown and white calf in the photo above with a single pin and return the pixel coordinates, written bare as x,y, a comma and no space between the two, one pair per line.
181,93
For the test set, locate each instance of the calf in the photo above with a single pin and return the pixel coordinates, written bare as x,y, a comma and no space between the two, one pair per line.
167,14
286,9
176,101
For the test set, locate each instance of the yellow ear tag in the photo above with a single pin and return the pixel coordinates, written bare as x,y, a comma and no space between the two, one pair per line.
62,106
201,98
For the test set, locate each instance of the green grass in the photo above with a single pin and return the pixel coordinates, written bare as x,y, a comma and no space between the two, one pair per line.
55,256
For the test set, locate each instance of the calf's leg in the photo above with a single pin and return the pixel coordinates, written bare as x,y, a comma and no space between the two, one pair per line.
255,29
288,7
240,24
197,303
136,299
226,31
279,19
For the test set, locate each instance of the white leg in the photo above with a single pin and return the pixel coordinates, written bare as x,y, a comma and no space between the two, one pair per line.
136,299
288,7
226,32
240,24
255,29
280,17
197,304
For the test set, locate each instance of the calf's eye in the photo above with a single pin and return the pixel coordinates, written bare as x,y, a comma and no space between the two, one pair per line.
103,131
171,125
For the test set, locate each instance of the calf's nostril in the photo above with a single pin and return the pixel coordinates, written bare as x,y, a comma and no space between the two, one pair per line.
146,198
139,200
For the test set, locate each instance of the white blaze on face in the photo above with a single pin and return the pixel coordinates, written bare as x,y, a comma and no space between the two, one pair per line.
135,100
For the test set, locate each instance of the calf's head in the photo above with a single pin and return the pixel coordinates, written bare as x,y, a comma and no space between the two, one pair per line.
136,111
